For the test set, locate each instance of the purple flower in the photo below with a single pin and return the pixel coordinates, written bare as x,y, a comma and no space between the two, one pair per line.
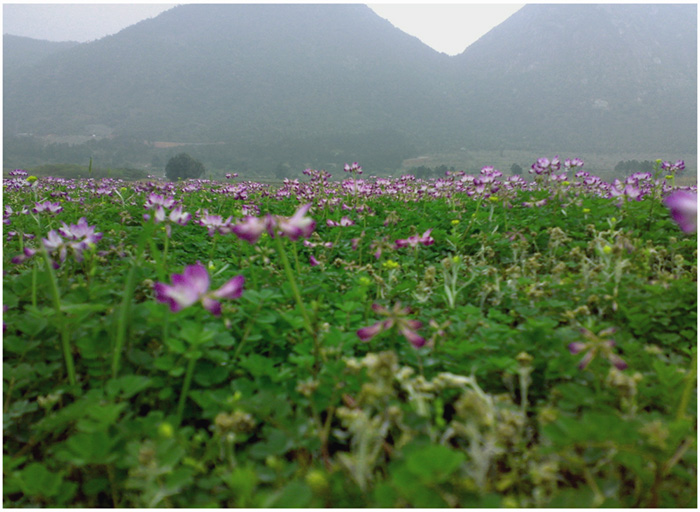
215,223
179,217
155,200
47,206
27,254
573,163
251,228
54,243
541,166
597,344
414,240
344,222
193,286
672,168
354,168
78,237
684,209
79,231
396,317
298,225
545,166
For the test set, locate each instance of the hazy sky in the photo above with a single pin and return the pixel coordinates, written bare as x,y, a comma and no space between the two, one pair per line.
447,27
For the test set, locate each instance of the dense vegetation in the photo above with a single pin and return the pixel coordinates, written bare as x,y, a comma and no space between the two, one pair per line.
183,167
468,341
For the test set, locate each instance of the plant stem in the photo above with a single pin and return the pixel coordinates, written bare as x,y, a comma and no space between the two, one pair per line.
300,302
65,334
293,284
123,319
129,287
688,388
34,272
185,389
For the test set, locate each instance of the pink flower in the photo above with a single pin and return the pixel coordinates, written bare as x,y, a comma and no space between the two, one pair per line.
27,254
684,209
354,168
597,344
215,223
414,240
396,317
47,206
251,228
155,200
298,225
78,236
193,286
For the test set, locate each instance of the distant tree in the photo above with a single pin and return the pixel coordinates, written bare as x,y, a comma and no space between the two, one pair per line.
631,166
421,172
516,170
440,171
283,170
183,166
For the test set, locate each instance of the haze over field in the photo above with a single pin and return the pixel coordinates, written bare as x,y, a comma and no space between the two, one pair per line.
273,89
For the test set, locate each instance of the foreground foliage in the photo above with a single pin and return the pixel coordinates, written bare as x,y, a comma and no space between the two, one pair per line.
464,342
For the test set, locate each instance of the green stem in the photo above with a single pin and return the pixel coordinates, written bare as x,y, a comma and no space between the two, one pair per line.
212,247
246,333
300,302
293,284
185,389
296,259
129,287
65,334
34,272
688,388
123,319
165,252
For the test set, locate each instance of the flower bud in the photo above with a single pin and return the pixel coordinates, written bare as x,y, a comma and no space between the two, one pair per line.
165,430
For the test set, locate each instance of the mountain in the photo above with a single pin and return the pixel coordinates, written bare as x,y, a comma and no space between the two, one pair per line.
275,86
590,76
23,52
253,74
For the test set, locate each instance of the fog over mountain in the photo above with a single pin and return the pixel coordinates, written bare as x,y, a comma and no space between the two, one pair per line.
264,86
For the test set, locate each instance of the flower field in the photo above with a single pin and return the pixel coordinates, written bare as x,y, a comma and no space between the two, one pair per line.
468,341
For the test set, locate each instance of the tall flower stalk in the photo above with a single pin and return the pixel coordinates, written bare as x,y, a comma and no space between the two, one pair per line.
63,328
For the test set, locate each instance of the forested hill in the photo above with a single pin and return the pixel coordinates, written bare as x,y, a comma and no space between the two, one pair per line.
214,72
23,52
323,84
605,76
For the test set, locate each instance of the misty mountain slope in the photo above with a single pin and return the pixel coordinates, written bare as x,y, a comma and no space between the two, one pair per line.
22,52
215,71
613,75
302,84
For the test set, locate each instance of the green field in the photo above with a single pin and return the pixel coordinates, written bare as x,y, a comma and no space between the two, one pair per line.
469,341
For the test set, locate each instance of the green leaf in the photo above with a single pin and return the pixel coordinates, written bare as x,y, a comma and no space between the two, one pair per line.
293,495
176,345
127,385
433,463
36,480
88,448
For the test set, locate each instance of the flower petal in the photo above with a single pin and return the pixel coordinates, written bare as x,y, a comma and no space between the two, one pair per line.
367,333
576,347
233,289
211,305
413,337
197,278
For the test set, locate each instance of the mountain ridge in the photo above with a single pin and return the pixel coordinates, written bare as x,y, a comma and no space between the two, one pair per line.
328,81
